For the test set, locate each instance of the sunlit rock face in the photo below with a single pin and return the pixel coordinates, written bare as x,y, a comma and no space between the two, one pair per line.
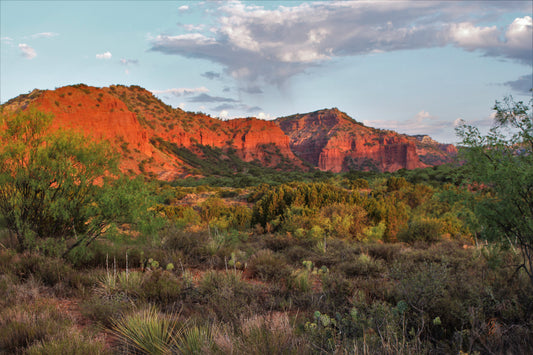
332,141
134,121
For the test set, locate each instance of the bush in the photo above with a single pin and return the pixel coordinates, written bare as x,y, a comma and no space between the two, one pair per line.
421,229
268,266
160,286
362,265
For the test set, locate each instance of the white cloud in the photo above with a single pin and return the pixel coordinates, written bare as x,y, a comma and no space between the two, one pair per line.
183,8
44,35
265,116
181,91
8,40
106,55
422,115
515,43
223,114
190,27
27,51
255,44
458,122
519,33
182,105
467,35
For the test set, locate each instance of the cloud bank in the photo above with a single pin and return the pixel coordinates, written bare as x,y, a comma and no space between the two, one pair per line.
253,43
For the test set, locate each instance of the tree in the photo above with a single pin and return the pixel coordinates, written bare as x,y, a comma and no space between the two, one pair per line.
500,166
59,190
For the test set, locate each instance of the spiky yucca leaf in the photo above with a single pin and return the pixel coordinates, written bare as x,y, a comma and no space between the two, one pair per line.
148,331
195,340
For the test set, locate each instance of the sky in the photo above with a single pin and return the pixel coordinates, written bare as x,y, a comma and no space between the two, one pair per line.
417,67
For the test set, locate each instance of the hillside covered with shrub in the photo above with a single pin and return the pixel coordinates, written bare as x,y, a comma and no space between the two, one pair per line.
251,259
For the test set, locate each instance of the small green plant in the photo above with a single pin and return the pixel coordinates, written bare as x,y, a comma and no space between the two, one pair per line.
147,331
195,340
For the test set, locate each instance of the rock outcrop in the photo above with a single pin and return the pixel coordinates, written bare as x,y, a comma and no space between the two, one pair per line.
332,141
131,117
150,135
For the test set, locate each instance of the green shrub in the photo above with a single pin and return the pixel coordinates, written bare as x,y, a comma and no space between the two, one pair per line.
362,265
160,286
146,331
421,229
268,266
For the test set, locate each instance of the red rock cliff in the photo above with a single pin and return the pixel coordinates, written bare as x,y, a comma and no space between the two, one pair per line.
331,140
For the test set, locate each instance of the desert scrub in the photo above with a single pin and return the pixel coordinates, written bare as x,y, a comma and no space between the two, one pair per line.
227,296
268,266
267,334
160,286
25,324
103,310
362,265
147,331
195,339
71,342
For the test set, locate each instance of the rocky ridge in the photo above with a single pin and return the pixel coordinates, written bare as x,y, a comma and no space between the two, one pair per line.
150,134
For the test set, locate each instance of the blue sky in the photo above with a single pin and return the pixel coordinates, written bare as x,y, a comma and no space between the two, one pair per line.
412,66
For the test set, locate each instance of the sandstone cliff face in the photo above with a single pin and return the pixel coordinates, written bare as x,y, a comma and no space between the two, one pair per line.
251,138
332,141
131,117
134,121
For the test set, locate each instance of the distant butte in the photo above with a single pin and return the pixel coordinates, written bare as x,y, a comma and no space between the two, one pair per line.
148,133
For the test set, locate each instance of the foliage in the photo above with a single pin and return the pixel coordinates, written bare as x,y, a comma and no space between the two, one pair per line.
55,193
500,166
317,271
147,331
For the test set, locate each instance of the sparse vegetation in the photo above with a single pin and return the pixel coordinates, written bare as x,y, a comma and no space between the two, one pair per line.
273,262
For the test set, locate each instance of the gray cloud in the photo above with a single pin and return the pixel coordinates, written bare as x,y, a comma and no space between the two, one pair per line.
254,44
181,91
522,85
127,62
211,75
240,107
209,98
252,90
224,107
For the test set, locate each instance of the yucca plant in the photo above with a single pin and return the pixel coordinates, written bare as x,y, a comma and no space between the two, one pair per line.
148,331
196,340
